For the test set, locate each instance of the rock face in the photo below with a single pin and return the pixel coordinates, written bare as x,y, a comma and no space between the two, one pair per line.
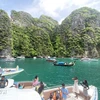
36,29
78,35
21,18
84,23
5,34
24,19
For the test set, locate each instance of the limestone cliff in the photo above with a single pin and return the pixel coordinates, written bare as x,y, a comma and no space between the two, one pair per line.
5,34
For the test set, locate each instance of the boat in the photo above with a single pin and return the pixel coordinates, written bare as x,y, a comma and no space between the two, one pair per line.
34,58
21,57
51,60
64,64
11,92
10,72
85,59
89,59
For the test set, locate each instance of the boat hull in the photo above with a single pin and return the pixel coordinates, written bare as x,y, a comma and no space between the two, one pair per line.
64,65
11,72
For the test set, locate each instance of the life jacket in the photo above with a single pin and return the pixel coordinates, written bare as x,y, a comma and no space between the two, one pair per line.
57,94
60,93
54,95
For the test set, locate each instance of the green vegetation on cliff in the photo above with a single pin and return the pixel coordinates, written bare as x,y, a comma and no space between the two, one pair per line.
78,35
5,34
83,25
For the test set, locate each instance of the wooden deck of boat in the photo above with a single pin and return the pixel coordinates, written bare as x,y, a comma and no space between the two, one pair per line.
47,92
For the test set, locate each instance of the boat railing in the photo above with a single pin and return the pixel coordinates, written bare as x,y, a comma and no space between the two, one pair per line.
95,94
57,86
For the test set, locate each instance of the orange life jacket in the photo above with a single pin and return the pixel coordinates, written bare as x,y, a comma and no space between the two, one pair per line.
54,96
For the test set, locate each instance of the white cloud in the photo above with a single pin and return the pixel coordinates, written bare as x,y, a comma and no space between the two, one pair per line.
61,20
79,2
50,6
58,9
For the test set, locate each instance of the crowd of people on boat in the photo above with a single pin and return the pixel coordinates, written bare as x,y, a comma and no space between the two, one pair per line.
61,94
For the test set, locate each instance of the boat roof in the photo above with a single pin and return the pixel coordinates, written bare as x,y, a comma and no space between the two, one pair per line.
19,94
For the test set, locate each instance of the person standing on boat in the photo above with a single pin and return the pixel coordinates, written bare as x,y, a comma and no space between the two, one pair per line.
75,87
51,96
35,81
85,89
1,71
64,92
40,90
3,82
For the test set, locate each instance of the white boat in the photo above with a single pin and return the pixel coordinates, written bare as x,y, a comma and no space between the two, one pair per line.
85,59
89,59
34,57
10,72
29,93
51,60
21,57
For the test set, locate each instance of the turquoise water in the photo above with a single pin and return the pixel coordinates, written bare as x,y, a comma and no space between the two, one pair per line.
56,75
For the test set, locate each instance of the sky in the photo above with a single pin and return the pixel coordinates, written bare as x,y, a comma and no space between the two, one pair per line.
57,9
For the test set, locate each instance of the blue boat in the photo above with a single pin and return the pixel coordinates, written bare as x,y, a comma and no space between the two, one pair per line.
64,64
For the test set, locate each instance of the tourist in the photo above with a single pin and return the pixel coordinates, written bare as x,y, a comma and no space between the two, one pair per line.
3,82
35,81
85,89
75,87
40,90
1,71
55,95
51,96
20,86
64,92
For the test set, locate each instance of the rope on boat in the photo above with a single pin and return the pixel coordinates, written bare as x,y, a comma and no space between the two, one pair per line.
27,73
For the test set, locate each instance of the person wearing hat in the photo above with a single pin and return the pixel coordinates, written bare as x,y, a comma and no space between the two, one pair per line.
64,92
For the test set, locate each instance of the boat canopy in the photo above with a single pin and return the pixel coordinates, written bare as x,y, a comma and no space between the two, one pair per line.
19,94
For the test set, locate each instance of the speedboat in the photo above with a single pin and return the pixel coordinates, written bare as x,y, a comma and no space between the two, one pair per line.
51,60
21,57
89,59
92,92
10,72
85,59
11,92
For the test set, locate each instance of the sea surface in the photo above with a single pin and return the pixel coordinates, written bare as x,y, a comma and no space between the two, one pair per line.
56,75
